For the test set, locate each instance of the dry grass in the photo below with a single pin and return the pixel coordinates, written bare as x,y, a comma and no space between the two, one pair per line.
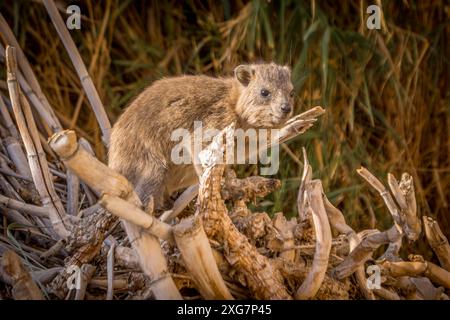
386,91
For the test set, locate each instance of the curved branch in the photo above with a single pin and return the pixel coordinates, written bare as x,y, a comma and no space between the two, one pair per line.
315,276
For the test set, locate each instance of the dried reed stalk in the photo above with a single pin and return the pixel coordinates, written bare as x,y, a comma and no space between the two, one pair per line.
112,186
17,156
86,81
7,119
182,201
417,268
46,111
30,209
199,259
110,271
87,272
437,241
73,193
131,213
36,156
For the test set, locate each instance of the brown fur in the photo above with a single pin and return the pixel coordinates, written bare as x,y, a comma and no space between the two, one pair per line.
140,146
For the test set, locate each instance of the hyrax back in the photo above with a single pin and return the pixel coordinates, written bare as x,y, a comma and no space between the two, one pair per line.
258,96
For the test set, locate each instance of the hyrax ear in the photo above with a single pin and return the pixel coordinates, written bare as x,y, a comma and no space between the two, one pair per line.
287,69
244,73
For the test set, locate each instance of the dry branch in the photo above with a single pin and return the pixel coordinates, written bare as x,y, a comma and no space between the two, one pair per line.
262,278
23,207
36,157
113,187
44,108
87,272
417,268
128,211
7,119
364,251
82,72
437,241
316,274
197,254
17,156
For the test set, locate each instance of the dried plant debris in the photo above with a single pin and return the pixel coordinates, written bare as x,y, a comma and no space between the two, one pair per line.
72,228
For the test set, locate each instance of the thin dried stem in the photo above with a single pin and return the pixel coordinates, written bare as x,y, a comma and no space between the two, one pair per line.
86,81
38,163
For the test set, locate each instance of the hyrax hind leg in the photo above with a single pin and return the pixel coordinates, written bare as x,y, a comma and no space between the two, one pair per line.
150,187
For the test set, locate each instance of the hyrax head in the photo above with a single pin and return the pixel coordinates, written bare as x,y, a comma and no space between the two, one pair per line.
267,94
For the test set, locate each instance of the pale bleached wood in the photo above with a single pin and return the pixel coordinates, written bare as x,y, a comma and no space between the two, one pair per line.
306,176
316,274
385,195
198,257
110,270
8,172
46,275
8,120
405,222
94,173
182,201
17,156
46,111
104,181
263,279
73,193
338,223
54,249
438,241
404,195
417,268
86,81
126,257
295,126
364,251
87,272
129,212
36,157
30,209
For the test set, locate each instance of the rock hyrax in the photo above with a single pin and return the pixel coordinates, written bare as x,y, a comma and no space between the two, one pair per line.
258,96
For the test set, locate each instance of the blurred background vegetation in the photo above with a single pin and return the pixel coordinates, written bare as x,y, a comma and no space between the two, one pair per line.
385,91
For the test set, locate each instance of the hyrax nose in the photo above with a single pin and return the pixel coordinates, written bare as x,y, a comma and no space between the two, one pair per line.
286,108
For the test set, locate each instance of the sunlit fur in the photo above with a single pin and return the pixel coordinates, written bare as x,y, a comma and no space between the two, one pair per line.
259,111
140,146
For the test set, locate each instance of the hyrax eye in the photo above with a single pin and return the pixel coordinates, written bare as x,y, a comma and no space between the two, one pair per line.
292,93
265,92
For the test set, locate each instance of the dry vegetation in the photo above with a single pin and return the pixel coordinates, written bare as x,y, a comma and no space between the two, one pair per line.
385,93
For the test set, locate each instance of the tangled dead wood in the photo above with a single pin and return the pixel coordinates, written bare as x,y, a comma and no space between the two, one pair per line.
61,237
